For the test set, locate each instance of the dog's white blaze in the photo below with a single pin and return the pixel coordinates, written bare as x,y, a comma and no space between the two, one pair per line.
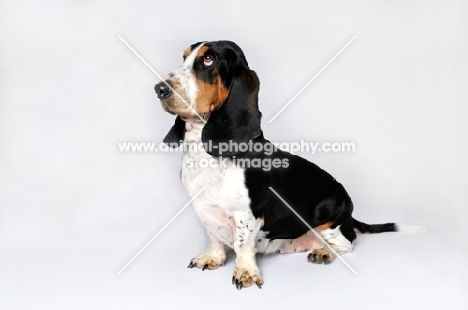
186,77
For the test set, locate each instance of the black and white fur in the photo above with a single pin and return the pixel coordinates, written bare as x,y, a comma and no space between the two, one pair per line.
237,208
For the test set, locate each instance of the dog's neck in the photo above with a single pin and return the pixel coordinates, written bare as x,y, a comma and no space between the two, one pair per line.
193,130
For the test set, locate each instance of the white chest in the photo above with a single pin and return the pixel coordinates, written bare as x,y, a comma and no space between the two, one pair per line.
224,191
224,183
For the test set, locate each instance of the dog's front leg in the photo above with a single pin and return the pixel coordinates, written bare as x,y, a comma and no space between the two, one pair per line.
212,258
246,230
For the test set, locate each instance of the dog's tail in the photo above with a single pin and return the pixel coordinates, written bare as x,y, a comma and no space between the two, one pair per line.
364,228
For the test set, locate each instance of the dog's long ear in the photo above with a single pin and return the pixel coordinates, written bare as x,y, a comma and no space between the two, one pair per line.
238,118
176,135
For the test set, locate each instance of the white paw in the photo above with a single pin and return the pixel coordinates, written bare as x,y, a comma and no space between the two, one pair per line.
207,261
321,256
245,277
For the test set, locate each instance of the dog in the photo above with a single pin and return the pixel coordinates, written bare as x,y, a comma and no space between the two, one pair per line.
245,207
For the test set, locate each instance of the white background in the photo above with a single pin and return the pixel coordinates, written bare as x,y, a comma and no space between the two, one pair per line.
74,210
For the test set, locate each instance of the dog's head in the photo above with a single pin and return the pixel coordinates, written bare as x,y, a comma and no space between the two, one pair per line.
214,85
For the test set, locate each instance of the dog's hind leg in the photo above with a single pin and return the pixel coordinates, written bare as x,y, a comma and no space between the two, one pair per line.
339,241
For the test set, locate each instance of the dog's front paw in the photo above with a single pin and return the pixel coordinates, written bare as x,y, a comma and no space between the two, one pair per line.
207,261
245,277
321,256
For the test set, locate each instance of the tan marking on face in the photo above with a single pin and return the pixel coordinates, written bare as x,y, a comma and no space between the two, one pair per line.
223,92
324,226
201,52
187,52
210,96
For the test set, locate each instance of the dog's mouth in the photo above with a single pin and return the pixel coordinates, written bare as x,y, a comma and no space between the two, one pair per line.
186,115
166,107
203,117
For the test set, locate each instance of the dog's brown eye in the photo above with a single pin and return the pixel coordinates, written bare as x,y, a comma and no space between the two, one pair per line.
207,61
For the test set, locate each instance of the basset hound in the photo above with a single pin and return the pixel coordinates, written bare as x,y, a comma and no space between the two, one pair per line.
215,97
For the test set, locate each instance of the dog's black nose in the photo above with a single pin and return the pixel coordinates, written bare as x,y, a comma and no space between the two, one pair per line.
162,90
